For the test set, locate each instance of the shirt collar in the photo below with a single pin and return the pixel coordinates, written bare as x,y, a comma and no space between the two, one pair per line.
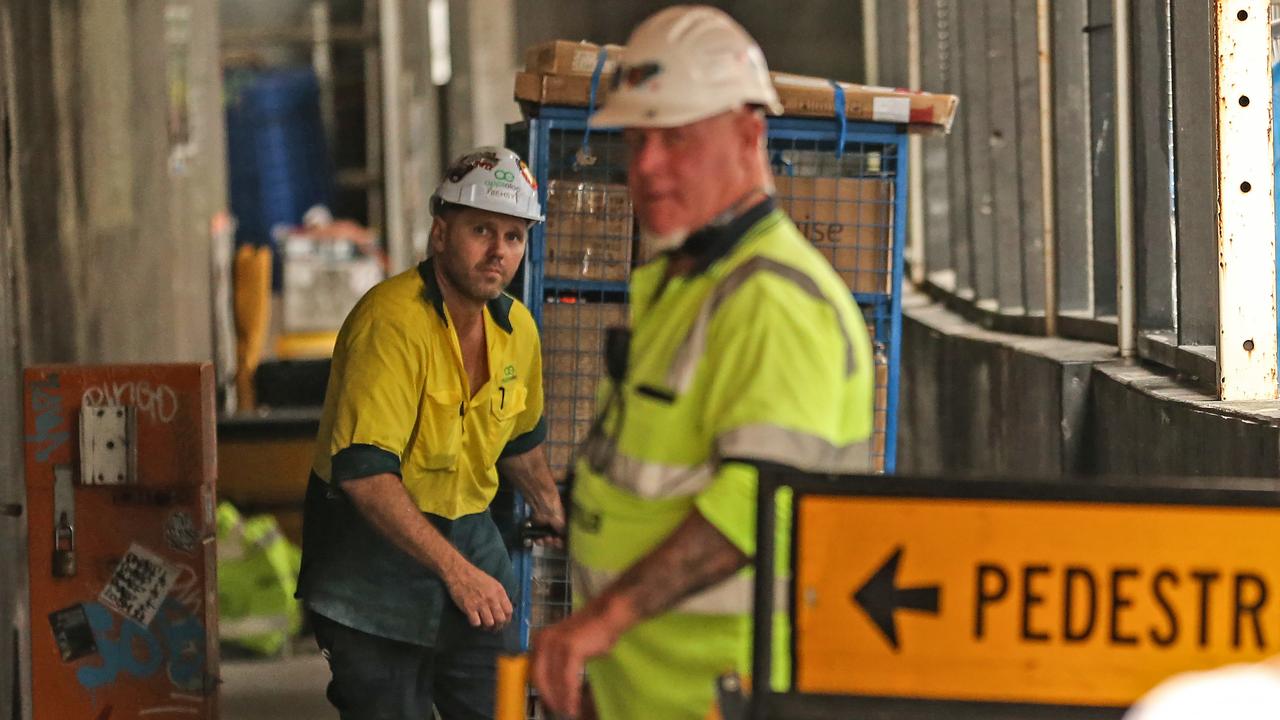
714,242
499,307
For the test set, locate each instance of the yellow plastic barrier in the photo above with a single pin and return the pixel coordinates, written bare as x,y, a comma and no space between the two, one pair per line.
512,687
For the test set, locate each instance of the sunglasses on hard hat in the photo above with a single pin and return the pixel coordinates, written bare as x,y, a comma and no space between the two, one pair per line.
632,75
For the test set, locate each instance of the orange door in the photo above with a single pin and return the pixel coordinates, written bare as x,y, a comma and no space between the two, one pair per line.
120,468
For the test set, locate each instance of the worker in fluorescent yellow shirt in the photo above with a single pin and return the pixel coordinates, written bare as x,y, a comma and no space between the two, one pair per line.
745,348
436,384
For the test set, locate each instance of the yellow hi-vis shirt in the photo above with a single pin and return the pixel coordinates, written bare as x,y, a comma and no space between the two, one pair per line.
759,356
399,400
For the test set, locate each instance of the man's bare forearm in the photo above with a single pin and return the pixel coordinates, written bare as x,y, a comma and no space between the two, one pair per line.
693,558
384,502
532,474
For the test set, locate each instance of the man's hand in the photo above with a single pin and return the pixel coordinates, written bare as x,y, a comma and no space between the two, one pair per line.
533,476
481,598
549,513
694,557
385,503
560,654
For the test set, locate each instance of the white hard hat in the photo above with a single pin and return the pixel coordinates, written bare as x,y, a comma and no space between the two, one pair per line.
493,179
684,64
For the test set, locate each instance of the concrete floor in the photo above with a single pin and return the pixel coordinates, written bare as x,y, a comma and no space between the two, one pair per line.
277,688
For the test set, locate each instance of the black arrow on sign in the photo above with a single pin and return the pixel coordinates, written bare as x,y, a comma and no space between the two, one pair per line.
880,597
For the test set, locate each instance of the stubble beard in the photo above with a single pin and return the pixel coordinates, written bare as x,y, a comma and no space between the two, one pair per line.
469,284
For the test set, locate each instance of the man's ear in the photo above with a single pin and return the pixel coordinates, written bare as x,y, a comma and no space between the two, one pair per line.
750,127
439,231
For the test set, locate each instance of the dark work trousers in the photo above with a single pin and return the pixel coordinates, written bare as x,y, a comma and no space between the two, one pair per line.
376,678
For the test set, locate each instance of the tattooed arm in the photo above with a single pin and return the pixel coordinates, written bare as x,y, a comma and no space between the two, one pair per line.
694,557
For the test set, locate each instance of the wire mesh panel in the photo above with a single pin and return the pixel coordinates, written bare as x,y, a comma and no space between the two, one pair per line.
550,600
843,191
578,266
573,336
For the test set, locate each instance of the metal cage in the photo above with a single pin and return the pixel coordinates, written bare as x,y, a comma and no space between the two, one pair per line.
843,183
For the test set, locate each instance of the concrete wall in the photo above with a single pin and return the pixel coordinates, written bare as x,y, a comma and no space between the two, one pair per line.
822,37
13,583
980,402
104,213
1146,423
113,213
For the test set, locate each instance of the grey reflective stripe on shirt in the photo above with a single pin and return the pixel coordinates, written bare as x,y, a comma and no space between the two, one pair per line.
800,450
733,596
680,376
647,479
761,442
652,481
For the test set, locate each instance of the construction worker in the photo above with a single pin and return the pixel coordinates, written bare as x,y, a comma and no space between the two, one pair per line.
436,385
745,347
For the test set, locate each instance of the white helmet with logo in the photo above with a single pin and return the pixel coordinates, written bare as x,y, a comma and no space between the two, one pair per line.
493,179
684,64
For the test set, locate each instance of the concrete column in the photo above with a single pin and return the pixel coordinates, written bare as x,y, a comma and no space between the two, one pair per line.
484,66
14,643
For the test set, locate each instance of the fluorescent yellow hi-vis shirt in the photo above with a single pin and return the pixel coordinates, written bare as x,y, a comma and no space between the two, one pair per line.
760,355
399,401
398,385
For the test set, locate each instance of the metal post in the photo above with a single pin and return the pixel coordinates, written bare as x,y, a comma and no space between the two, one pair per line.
438,34
373,116
915,150
762,607
1044,45
1126,296
399,249
322,63
1246,215
871,40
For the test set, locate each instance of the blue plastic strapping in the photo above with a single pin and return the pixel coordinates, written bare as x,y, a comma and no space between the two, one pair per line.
591,105
840,118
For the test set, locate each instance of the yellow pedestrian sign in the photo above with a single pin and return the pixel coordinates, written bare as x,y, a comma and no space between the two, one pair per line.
1026,593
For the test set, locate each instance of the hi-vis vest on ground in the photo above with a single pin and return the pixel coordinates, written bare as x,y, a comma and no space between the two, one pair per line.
762,357
257,574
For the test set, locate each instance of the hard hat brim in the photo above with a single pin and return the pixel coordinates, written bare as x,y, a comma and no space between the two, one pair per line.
622,112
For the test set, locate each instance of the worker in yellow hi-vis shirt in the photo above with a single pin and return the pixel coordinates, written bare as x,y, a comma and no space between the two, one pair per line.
436,383
745,347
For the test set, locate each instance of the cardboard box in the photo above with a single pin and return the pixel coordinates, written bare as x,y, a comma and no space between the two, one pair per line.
573,337
588,231
565,57
850,220
801,96
879,436
805,96
571,90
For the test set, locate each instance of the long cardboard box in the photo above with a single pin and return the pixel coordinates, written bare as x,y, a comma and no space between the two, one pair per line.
805,96
801,96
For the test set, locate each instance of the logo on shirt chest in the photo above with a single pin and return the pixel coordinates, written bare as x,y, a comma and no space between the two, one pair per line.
509,373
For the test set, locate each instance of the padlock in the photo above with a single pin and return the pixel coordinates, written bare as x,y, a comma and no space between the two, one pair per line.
64,549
